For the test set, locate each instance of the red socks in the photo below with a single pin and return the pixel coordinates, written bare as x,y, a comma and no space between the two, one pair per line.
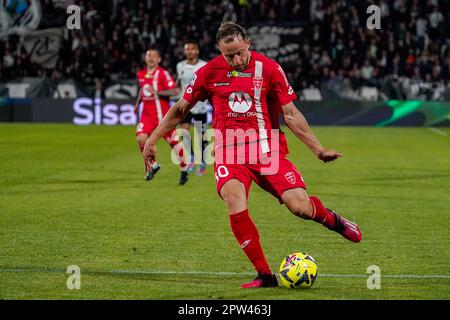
247,235
321,214
248,238
179,151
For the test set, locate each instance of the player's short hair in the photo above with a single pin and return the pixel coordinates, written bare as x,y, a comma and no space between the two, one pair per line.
229,30
154,49
193,42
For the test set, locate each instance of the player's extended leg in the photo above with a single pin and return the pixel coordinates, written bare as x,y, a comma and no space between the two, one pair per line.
234,195
311,207
201,125
149,173
191,165
172,139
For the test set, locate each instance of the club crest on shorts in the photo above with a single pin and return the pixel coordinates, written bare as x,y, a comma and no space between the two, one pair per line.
290,177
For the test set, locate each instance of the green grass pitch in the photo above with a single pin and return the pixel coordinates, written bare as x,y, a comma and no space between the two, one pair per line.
76,196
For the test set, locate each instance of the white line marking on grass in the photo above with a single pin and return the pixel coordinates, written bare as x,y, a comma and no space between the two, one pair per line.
206,273
438,131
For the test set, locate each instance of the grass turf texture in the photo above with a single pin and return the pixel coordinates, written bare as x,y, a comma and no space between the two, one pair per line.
76,196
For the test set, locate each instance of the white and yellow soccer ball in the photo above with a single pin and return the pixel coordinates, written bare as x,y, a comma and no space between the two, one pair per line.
298,270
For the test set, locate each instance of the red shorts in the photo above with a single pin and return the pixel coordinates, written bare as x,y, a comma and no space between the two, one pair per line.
287,177
148,123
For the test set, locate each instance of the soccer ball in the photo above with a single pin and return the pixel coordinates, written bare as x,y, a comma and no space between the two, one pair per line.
298,270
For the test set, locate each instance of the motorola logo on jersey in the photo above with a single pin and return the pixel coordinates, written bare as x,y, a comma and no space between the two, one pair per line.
146,90
240,102
192,82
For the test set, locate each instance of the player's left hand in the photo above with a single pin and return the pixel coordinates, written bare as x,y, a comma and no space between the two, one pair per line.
328,155
149,155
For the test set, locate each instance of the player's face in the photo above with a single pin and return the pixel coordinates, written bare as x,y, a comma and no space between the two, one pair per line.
191,51
152,58
236,52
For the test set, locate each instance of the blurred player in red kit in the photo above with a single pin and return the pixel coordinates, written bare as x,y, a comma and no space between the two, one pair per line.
248,92
156,86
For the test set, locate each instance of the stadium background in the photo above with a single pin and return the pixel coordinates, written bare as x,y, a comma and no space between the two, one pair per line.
75,195
325,47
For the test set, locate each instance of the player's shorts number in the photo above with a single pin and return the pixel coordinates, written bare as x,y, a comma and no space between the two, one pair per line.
221,172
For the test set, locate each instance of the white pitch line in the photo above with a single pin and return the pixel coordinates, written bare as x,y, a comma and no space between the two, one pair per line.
206,273
438,131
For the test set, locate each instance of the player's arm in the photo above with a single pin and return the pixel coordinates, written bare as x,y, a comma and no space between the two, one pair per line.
169,87
138,101
169,92
178,79
172,118
297,123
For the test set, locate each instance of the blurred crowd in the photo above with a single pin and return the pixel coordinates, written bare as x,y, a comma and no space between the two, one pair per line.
413,42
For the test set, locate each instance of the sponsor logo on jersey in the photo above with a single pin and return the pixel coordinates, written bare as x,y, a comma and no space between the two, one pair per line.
194,77
221,84
238,74
290,177
239,102
237,115
146,90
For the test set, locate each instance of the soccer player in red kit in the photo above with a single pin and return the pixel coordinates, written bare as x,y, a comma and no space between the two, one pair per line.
156,86
248,91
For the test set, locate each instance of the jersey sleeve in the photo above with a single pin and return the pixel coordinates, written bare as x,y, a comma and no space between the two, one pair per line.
281,89
196,89
168,82
178,70
139,78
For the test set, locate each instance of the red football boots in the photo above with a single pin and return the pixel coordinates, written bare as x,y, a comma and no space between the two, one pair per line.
262,281
346,228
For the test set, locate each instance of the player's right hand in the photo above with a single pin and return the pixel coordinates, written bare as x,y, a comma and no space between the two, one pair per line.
136,109
149,155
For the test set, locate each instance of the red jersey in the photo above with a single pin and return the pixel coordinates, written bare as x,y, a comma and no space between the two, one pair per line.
159,79
249,100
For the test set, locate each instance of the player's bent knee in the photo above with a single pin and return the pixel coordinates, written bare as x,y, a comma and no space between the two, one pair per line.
235,202
233,194
298,203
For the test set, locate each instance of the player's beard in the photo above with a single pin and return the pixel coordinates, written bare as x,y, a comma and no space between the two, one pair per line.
244,65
